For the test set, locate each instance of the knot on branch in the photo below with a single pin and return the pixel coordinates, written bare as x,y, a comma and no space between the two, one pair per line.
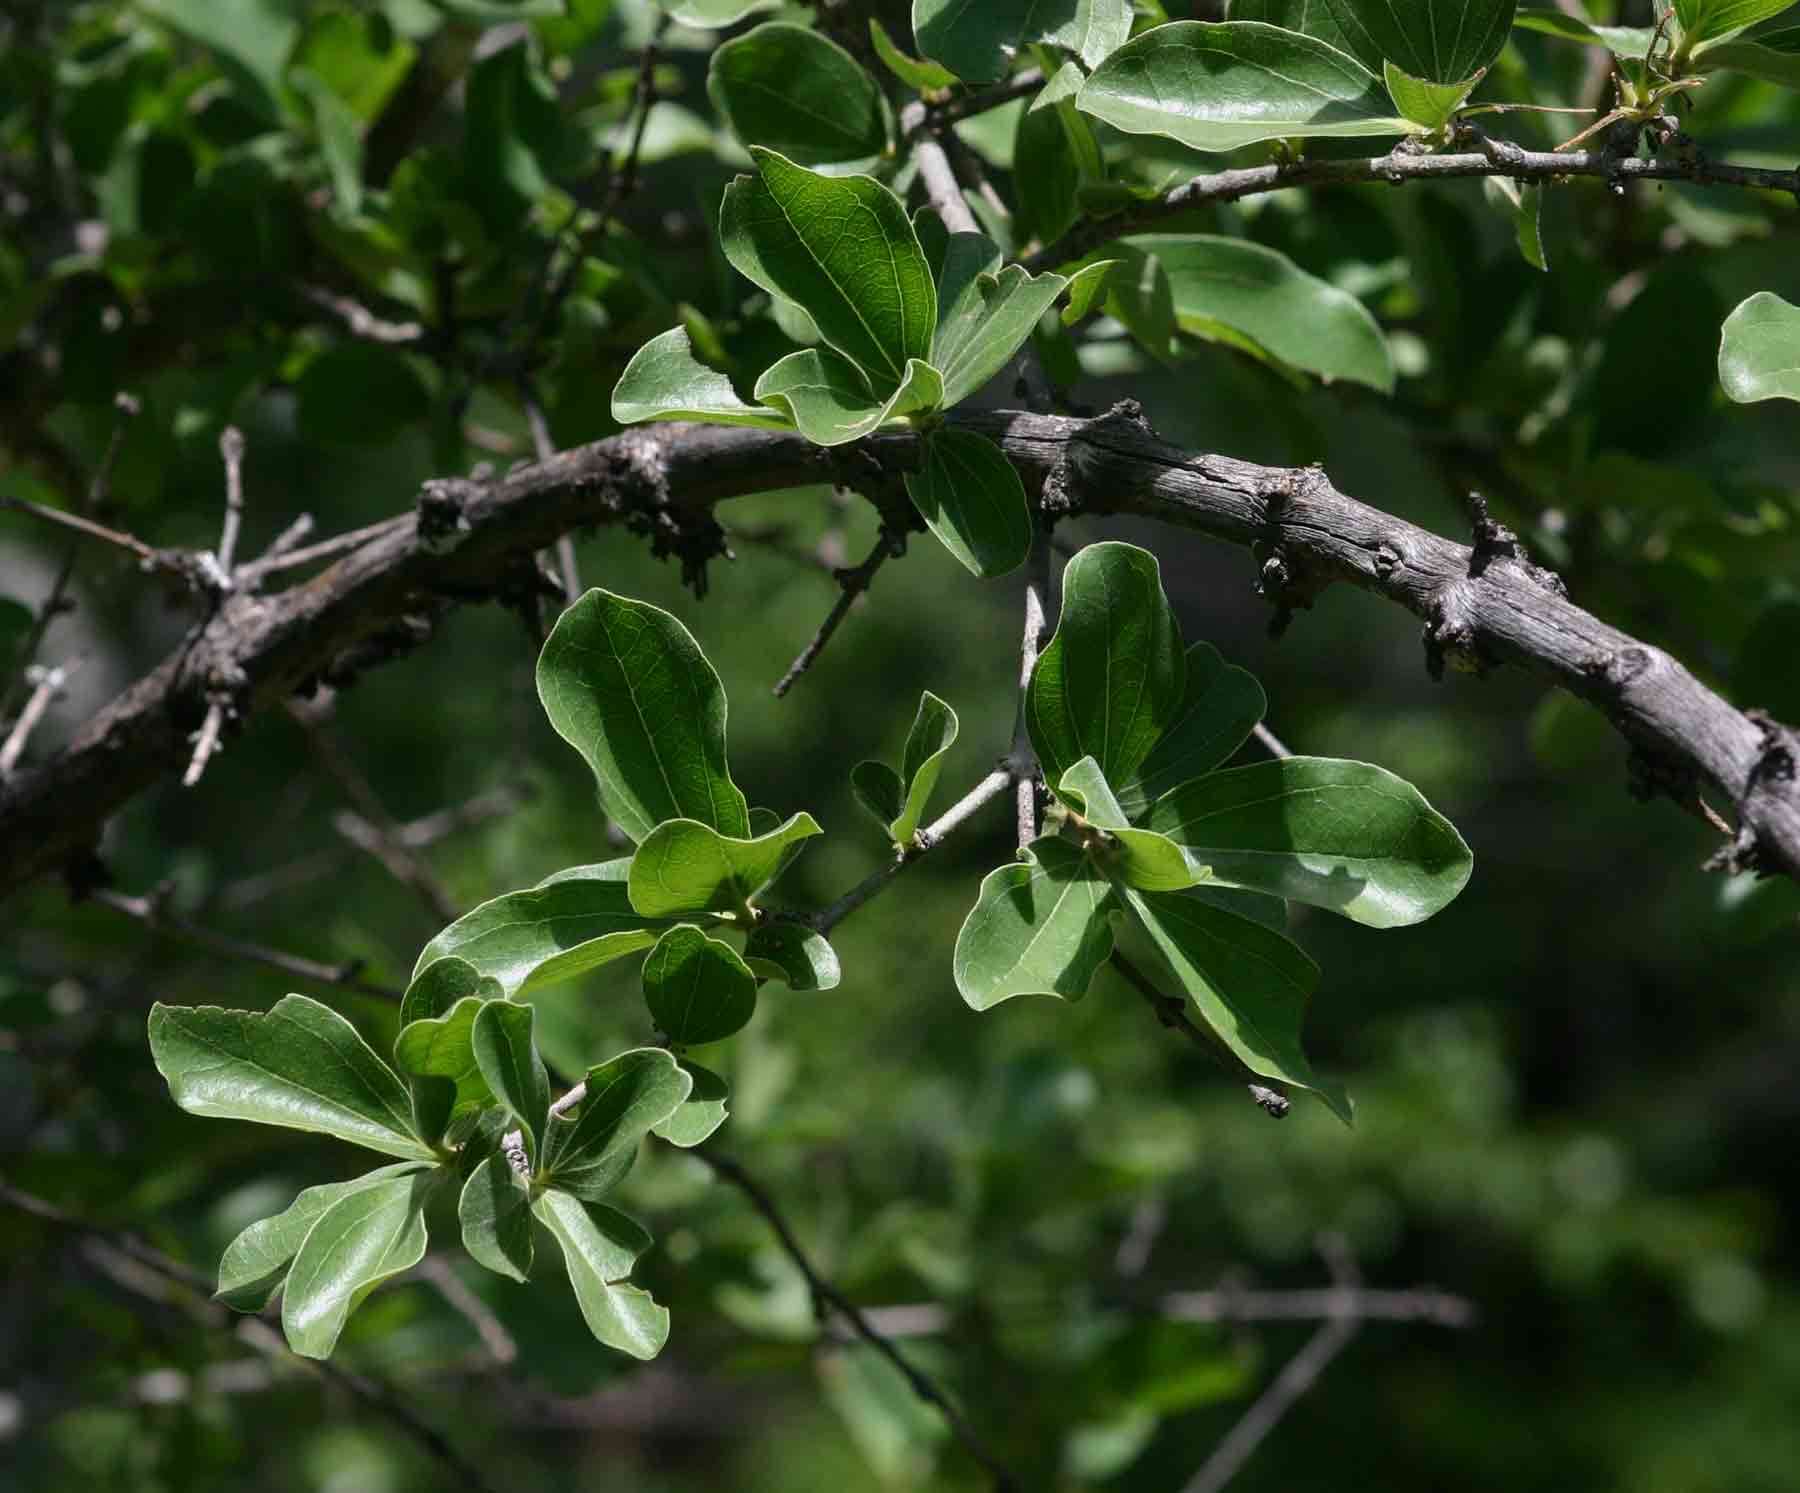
1494,541
1451,637
1281,580
638,491
443,513
1773,776
1058,498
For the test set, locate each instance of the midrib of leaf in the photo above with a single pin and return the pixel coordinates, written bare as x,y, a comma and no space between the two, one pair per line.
1044,927
374,1203
788,104
1312,792
850,300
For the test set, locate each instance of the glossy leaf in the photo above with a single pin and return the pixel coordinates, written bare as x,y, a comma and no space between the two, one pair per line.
1248,984
978,41
568,924
362,1239
1437,41
443,1047
1759,350
1631,42
1773,56
933,733
701,1113
1346,836
1138,857
256,1262
439,983
1220,706
665,381
1055,156
914,72
985,313
626,685
299,1065
495,1212
685,867
1111,681
1715,20
844,249
1429,105
600,1245
1216,86
712,13
797,92
591,1147
800,958
698,988
1038,927
1254,292
973,501
502,1037
827,397
1312,18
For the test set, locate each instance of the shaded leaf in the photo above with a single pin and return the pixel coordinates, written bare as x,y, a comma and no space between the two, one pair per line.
590,1147
800,958
1087,289
979,41
797,92
1037,927
495,1212
504,1044
1715,20
1220,706
698,989
438,984
1773,56
686,867
443,1047
877,787
973,501
1759,350
626,685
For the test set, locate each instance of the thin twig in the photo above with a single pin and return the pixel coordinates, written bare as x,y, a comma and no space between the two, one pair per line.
377,1395
828,1300
1271,743
1023,759
471,1308
361,322
851,584
985,792
150,912
223,580
231,448
1298,1376
546,448
326,549
147,555
967,105
1171,1011
47,684
1421,1304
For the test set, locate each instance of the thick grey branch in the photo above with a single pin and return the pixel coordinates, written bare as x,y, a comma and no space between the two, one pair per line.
469,541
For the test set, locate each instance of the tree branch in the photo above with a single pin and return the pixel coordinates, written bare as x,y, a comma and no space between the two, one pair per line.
1494,158
1482,605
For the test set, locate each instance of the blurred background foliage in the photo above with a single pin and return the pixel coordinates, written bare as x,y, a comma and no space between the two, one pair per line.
1577,1087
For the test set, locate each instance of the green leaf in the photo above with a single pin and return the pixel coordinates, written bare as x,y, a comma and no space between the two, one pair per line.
443,1047
627,686
877,787
1759,350
1110,683
978,41
1258,293
925,77
1087,288
504,1047
1055,155
255,1263
985,313
793,954
1630,42
711,14
698,989
495,1213
1431,105
600,1245
299,1065
565,926
252,39
933,733
797,92
439,983
701,1113
1773,56
844,249
592,1146
1439,41
1715,20
1038,927
827,397
362,1239
686,867
665,381
1220,707
1522,201
1138,857
1311,18
1346,836
1248,983
973,501
1216,86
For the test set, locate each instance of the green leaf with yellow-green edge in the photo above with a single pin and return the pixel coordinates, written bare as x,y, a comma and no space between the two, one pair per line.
1220,85
1429,105
495,1212
1110,683
1249,985
666,381
914,72
599,1246
686,867
570,923
256,1262
364,1238
829,400
985,313
844,249
701,1113
972,499
793,90
1347,836
626,685
793,954
590,1147
698,989
1759,350
1138,857
298,1065
1220,706
1038,927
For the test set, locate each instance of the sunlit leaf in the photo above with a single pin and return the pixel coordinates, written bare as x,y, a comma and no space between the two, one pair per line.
665,381
1759,350
365,1237
973,501
1038,927
685,867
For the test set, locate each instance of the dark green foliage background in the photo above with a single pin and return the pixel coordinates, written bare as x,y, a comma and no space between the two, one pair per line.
1576,1087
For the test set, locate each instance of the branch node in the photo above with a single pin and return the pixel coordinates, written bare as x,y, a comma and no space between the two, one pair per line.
1494,541
443,513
